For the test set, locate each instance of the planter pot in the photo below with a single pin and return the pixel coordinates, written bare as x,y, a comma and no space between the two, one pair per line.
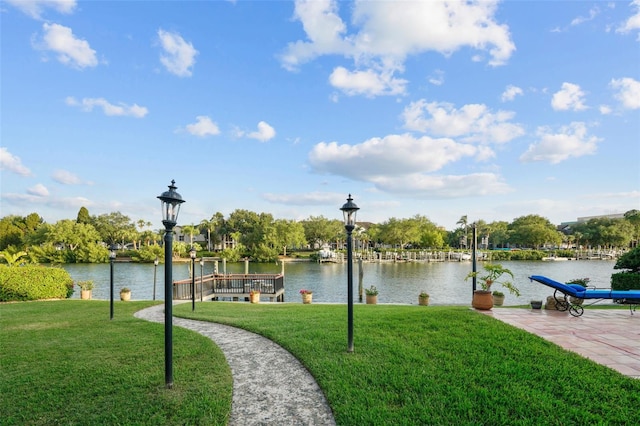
423,301
307,298
536,304
498,300
85,294
372,300
482,300
254,298
125,296
576,300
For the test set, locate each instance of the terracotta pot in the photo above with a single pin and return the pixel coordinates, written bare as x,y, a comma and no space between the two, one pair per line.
125,296
85,294
423,301
254,298
372,300
307,298
482,300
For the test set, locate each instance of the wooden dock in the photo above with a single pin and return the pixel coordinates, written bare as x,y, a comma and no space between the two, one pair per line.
231,286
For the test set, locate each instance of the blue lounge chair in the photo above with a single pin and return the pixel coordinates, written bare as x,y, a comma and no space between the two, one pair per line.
630,297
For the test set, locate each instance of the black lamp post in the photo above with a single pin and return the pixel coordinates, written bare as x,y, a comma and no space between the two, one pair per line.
192,254
155,268
201,271
170,201
349,210
112,257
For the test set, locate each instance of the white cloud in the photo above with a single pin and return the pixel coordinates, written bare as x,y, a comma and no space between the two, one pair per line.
605,109
395,155
628,92
179,55
38,190
443,187
368,83
203,127
71,51
306,199
437,78
554,147
404,165
66,178
633,23
35,8
385,35
473,122
12,163
593,12
510,93
569,97
264,133
121,109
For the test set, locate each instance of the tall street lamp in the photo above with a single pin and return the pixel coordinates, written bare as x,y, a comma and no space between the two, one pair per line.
349,210
112,258
170,202
155,268
192,254
201,271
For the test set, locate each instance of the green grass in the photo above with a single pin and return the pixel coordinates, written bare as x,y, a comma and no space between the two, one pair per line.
65,362
436,365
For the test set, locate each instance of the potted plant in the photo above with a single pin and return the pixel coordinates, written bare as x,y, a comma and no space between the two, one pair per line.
498,298
483,299
423,298
254,296
85,289
536,304
372,295
307,296
125,294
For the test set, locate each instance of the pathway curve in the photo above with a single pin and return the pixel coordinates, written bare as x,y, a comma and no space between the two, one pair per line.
270,386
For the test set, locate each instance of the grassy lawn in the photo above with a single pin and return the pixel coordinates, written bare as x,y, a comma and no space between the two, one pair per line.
436,365
65,362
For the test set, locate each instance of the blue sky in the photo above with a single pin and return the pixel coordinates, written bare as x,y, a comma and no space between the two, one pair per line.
488,109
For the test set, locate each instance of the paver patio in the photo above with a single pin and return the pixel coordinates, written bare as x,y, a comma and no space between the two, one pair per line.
607,336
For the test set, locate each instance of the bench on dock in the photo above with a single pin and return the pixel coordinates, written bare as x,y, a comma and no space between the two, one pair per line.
234,286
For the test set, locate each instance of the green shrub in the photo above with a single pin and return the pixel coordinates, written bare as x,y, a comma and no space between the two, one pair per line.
34,282
625,280
629,260
148,254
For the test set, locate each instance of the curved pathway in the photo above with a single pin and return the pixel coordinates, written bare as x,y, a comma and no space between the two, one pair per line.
270,386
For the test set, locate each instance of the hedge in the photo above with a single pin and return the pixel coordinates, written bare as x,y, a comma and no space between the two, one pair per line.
625,281
34,282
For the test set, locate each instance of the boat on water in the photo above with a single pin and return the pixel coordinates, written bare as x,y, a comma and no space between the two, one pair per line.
554,259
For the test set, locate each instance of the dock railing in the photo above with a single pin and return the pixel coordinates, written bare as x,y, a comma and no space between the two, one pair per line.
235,286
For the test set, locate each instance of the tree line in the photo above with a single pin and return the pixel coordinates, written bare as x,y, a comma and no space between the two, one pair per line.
263,238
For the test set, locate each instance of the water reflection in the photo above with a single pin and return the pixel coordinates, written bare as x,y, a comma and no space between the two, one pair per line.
397,282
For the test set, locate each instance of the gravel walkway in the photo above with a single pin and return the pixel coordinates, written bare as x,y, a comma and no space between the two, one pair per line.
270,386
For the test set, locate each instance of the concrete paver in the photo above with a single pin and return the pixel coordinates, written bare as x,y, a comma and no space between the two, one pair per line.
608,337
270,386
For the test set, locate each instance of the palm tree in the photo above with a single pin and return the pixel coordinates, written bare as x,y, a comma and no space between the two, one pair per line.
191,230
464,223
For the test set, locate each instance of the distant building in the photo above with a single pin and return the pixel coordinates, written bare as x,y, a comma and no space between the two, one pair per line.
566,226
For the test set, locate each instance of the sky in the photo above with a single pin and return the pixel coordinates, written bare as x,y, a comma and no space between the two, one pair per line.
489,109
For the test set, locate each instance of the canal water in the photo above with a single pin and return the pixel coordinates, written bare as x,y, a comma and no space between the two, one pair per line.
396,282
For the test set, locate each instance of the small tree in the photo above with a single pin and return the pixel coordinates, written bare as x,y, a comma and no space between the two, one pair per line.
629,279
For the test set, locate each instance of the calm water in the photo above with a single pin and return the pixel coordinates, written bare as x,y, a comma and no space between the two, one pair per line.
396,282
